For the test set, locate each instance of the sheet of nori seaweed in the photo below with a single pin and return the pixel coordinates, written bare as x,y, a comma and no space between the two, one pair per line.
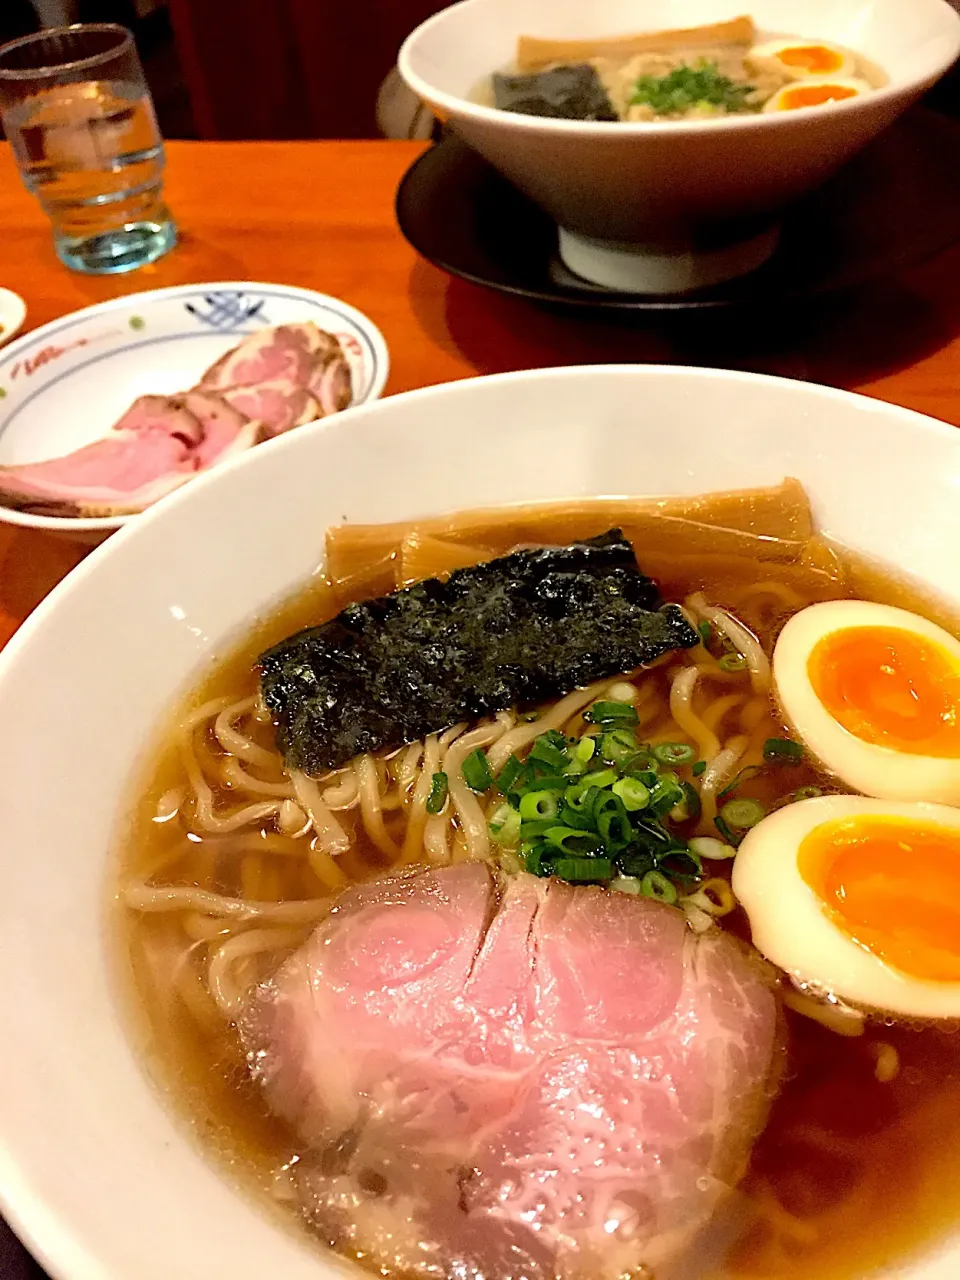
564,93
515,631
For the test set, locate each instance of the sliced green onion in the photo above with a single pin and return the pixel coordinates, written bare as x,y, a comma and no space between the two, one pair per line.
636,863
807,793
619,747
708,847
476,771
505,826
634,794
599,778
545,782
537,805
573,842
583,870
665,795
613,823
731,837
698,768
538,859
656,885
534,829
581,798
782,751
688,808
619,713
742,814
549,753
732,662
625,884
673,752
741,777
681,864
438,793
585,748
509,774
706,633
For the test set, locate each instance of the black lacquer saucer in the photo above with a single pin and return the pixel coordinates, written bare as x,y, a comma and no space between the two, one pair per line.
895,204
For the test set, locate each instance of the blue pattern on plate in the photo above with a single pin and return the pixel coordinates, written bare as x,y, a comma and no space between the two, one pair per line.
226,311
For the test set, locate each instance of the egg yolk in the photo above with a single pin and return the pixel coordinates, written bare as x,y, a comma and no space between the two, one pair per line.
890,687
816,59
814,95
893,887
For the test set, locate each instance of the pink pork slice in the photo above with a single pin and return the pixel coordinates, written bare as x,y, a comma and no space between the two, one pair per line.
280,405
151,451
285,352
519,1082
332,384
225,431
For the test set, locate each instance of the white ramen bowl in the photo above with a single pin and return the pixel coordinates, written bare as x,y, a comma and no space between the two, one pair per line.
667,207
96,1174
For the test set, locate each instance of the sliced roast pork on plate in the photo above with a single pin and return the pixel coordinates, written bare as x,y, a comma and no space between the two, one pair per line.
272,381
273,356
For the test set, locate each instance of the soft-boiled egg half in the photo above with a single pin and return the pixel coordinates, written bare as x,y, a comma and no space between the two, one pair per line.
859,898
799,59
816,93
874,694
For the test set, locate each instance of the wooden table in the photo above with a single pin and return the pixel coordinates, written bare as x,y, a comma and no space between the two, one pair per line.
320,214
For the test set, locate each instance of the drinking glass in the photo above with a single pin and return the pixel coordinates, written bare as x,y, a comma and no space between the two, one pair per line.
80,120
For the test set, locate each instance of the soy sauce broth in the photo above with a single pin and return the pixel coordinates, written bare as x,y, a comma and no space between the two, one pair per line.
851,1173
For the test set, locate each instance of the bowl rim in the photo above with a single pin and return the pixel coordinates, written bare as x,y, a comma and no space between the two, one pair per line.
58,1240
458,106
106,524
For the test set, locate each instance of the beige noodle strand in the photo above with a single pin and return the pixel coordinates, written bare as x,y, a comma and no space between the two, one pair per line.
189,986
344,793
326,869
473,825
202,928
234,775
206,817
371,807
221,969
417,816
409,767
742,639
681,708
238,744
158,898
715,777
436,839
330,835
556,717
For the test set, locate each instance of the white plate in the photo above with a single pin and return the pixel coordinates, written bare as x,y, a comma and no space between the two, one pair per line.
13,312
94,1172
63,385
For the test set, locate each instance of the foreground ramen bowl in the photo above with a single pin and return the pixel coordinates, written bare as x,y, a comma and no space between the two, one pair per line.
96,1173
668,207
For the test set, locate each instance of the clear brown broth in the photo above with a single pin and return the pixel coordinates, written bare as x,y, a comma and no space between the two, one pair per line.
850,1173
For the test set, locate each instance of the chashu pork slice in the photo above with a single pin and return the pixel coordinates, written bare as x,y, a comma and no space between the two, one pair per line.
280,405
520,1082
158,444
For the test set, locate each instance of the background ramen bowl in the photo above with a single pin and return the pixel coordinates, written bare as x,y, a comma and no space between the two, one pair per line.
94,1172
659,208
